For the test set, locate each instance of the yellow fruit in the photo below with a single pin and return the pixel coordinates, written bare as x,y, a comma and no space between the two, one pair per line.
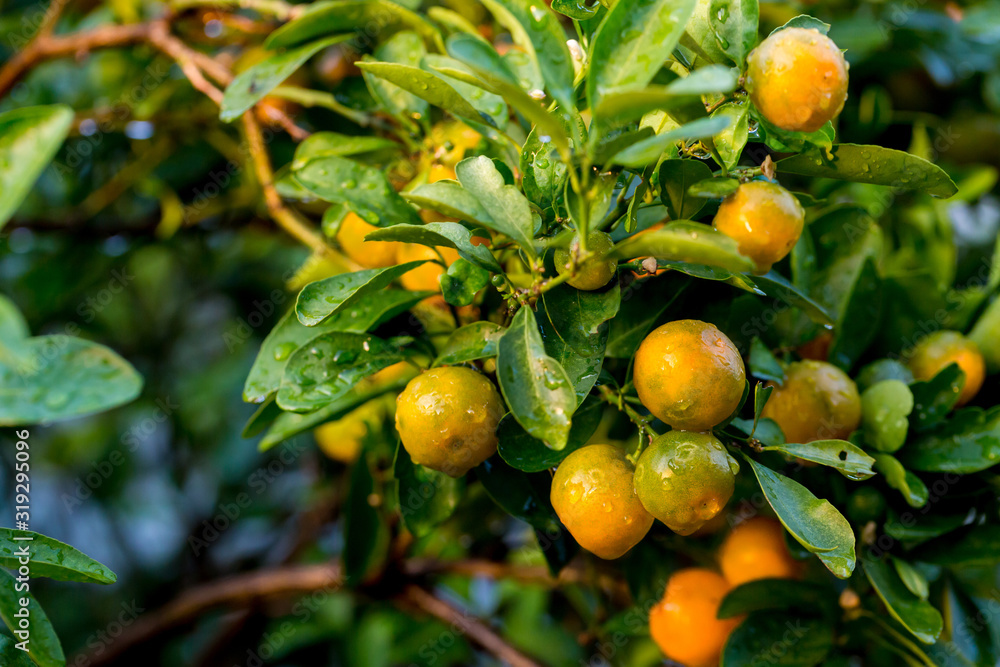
797,79
447,418
764,219
683,623
756,549
593,495
424,277
594,273
689,374
440,172
817,401
943,348
685,479
342,440
371,254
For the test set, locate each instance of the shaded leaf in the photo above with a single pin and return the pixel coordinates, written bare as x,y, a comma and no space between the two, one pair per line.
916,615
765,594
529,454
426,497
933,399
763,364
366,535
800,641
968,442
51,558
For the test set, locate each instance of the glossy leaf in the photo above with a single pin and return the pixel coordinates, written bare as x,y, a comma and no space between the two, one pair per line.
529,454
848,459
62,377
803,641
763,364
676,176
537,389
731,140
509,209
632,43
364,189
648,151
968,442
814,523
734,23
544,173
51,558
29,139
933,399
767,594
329,366
643,303
434,234
916,615
885,408
43,644
896,476
288,335
461,282
872,164
777,287
491,106
407,49
426,497
334,144
324,18
473,341
11,656
630,105
252,85
574,328
685,241
425,85
451,199
804,21
323,298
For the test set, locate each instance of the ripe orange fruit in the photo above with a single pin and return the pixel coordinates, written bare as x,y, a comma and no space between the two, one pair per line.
689,374
797,79
593,273
817,401
370,254
942,348
424,277
683,623
685,479
440,172
593,494
764,219
756,549
447,418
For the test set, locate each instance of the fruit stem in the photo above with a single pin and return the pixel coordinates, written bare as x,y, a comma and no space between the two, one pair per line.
642,422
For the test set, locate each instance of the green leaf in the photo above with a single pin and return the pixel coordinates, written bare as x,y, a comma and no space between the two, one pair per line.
526,497
288,424
775,594
685,241
643,303
43,644
537,389
325,17
872,164
486,103
29,139
64,377
789,640
333,144
509,209
968,442
364,189
14,332
329,366
976,545
425,85
804,21
529,454
461,282
576,9
288,335
915,582
366,535
734,23
883,369
252,85
51,558
847,458
763,364
916,615
10,656
933,399
544,171
885,407
632,43
854,326
574,327
731,140
777,287
447,234
676,176
404,48
631,105
537,31
814,523
761,393
649,150
473,341
323,298
896,476
451,199
426,497
714,188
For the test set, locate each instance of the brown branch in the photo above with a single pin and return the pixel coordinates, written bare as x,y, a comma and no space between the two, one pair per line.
237,590
471,627
160,37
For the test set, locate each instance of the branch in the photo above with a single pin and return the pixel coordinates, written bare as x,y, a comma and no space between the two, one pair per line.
465,624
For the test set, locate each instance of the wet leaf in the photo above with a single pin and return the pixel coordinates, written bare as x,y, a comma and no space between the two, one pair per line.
508,208
364,189
734,23
685,241
51,558
323,18
461,281
848,459
473,341
426,497
885,408
324,298
968,442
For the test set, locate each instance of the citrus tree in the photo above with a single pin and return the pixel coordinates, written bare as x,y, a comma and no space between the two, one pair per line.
617,274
